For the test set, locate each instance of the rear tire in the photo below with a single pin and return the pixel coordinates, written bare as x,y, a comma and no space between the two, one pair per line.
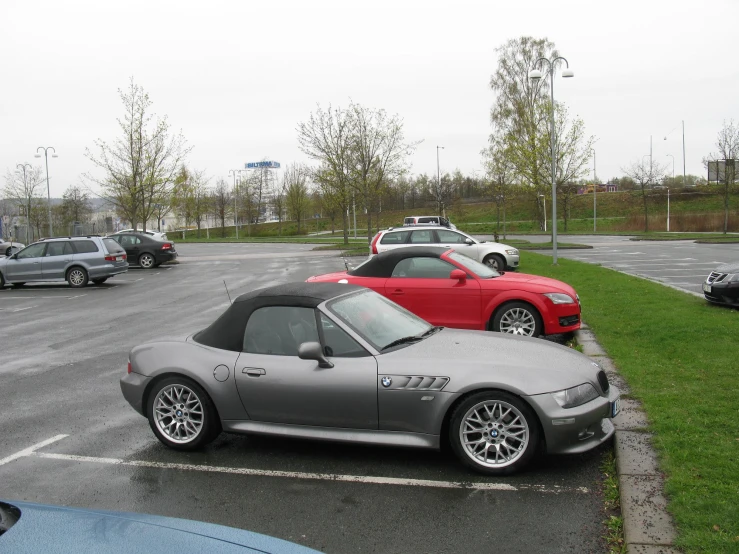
181,414
495,261
146,260
77,277
2,281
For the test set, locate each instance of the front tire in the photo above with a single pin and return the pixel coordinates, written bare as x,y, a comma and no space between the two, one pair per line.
518,318
495,261
182,415
77,277
494,432
146,260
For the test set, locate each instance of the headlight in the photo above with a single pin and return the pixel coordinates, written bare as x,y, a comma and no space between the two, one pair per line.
576,396
559,298
512,252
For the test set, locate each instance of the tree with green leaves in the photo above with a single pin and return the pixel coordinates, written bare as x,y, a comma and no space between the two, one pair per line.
297,192
138,168
221,202
76,207
500,173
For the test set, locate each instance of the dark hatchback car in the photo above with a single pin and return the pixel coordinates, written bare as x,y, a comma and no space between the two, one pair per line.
144,250
722,285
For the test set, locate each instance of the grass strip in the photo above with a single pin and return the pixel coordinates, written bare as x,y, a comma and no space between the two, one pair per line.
680,357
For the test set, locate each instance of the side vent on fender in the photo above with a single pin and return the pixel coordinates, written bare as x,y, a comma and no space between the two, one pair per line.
418,382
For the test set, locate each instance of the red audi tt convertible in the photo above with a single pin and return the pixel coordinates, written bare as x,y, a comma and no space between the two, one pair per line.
449,289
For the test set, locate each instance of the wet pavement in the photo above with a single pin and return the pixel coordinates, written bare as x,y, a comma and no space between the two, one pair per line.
64,350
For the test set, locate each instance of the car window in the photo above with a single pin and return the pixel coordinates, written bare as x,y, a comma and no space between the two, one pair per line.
422,237
450,237
84,246
423,268
59,249
33,251
395,238
428,219
409,221
129,240
112,246
338,343
481,270
279,330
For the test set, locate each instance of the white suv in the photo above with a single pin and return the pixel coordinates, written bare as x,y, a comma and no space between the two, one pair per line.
154,234
498,256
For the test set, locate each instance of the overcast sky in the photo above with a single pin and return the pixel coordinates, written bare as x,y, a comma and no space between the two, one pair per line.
236,76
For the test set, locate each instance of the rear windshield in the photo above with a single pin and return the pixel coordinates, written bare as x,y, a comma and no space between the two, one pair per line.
112,246
428,220
395,238
85,246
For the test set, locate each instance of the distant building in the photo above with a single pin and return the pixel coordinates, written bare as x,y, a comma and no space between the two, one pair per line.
588,189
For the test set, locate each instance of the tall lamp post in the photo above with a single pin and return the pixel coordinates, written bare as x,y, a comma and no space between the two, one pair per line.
438,171
668,191
536,75
236,209
23,167
48,192
595,191
685,177
544,198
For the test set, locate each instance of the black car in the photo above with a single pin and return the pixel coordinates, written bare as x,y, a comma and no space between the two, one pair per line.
144,250
722,285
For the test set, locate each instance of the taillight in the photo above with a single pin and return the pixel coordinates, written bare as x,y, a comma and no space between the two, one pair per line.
129,366
373,247
166,246
113,257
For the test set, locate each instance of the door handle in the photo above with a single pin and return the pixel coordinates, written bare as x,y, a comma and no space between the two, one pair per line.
254,371
398,292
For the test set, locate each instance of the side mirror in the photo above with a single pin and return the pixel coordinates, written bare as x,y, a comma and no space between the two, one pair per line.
312,351
469,241
458,274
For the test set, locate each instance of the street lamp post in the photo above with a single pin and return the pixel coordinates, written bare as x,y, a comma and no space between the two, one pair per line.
536,75
685,177
668,191
236,208
23,167
438,172
595,191
48,192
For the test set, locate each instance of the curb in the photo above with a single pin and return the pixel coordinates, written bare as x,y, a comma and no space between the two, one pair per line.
648,527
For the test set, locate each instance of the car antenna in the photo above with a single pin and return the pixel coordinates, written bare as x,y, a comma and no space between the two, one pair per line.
229,296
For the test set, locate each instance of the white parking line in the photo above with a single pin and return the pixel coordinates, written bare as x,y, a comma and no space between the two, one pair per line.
317,476
32,452
22,309
31,449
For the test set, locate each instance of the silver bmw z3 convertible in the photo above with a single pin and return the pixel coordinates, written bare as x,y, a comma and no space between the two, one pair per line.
340,362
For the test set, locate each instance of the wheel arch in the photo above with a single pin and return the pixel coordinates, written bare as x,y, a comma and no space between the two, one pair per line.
444,432
515,296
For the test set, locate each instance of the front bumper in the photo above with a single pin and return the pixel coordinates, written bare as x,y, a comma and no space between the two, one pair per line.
512,261
722,293
575,430
561,318
133,386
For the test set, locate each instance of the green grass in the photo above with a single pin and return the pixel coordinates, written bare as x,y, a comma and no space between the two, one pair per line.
612,503
680,357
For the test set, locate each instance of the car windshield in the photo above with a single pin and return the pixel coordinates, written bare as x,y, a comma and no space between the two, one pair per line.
481,270
378,320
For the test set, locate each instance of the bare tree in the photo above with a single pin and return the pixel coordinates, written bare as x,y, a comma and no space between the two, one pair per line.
499,172
221,201
328,137
139,167
278,205
727,144
201,200
23,186
297,198
75,207
645,175
379,153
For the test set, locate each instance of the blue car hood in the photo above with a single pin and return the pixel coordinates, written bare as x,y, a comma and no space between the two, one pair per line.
53,529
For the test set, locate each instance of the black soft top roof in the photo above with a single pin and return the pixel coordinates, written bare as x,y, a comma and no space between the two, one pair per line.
227,332
382,265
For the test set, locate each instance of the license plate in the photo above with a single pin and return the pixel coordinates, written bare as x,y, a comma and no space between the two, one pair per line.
615,407
119,258
707,288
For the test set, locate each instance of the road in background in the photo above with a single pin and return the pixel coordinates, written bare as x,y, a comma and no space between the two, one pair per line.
682,264
64,351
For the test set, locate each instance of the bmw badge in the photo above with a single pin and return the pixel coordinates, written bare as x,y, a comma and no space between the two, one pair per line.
386,381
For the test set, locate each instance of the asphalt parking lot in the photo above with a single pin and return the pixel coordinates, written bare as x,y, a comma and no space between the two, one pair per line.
68,436
681,264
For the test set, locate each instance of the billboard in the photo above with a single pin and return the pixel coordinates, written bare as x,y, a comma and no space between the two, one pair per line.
717,171
258,165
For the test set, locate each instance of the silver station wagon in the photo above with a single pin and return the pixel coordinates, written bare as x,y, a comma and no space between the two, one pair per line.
76,260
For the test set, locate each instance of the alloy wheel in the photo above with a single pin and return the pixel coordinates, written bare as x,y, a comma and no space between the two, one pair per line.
76,277
178,413
494,434
146,261
518,321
